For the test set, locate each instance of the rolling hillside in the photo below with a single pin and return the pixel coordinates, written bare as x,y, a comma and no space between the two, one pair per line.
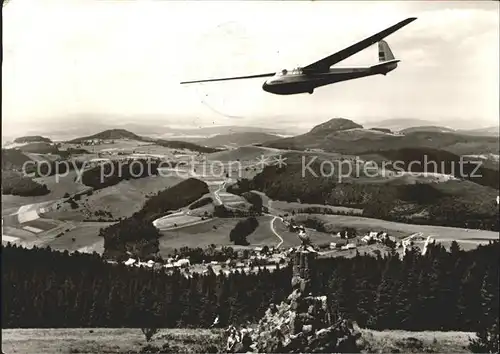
439,161
455,203
338,135
489,131
397,124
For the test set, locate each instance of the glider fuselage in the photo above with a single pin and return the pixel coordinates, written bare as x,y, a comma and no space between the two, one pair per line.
294,82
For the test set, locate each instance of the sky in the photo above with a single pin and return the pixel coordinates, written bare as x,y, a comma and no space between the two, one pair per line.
122,61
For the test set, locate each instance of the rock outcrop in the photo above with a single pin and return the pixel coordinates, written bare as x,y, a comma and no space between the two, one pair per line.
301,323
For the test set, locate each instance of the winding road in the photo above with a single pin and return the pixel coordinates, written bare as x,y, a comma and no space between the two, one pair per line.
274,230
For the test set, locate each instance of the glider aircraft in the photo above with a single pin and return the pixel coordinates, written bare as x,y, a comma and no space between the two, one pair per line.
306,79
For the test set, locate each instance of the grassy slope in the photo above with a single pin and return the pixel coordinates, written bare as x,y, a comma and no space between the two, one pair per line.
199,235
204,234
112,340
86,237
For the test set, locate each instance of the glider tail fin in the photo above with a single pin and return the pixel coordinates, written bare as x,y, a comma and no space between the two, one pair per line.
384,52
386,60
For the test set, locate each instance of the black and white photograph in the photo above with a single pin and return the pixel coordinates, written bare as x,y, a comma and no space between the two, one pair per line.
250,176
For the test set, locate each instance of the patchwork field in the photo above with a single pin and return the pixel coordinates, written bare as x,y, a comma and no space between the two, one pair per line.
61,235
121,340
18,235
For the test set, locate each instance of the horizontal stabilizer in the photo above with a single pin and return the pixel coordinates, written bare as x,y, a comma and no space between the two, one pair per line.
385,66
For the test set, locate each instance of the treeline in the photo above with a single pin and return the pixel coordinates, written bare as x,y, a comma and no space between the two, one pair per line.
176,144
200,203
198,255
113,172
76,151
243,189
16,184
136,234
223,211
173,198
13,159
454,203
50,289
441,290
243,228
255,200
327,211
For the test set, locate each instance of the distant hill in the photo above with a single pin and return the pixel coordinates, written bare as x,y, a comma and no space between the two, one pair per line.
341,137
427,128
32,139
238,139
229,129
117,134
110,134
489,131
82,125
334,125
398,124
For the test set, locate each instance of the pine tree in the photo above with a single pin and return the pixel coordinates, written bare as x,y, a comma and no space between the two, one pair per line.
384,305
406,291
487,335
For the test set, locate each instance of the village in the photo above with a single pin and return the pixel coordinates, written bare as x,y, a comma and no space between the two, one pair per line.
270,258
